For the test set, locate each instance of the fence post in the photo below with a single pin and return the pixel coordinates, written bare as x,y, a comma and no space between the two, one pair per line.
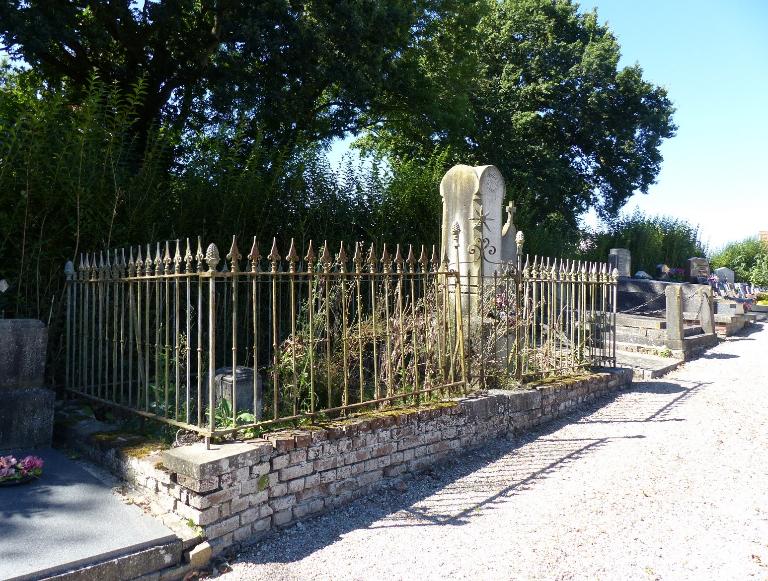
674,313
615,285
212,258
69,272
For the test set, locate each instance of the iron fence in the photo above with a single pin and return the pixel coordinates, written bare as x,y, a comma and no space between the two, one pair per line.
201,343
539,317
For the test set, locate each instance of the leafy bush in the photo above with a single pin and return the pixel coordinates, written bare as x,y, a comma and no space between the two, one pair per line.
748,259
651,240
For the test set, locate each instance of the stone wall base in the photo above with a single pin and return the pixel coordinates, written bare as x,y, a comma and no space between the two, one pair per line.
235,493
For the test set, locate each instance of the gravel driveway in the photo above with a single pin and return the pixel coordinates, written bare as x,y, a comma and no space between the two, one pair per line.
668,480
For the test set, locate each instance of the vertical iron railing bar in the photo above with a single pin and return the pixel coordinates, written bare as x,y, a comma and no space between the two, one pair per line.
123,284
325,261
292,259
341,260
400,318
199,257
372,269
274,259
411,275
147,336
255,259
234,259
176,331
310,261
386,272
166,353
212,259
188,343
115,276
357,260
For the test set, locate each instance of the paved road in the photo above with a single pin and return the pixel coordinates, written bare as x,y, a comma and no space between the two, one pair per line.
668,480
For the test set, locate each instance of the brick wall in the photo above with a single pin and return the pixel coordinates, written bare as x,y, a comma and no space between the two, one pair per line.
238,492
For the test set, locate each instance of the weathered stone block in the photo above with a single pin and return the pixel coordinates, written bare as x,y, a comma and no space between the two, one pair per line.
23,344
200,555
26,417
295,471
198,462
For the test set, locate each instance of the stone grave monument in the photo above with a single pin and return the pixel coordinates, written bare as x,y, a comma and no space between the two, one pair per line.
698,270
476,245
473,241
725,274
26,407
621,260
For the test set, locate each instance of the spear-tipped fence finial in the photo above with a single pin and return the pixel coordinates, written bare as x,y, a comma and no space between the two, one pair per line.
386,259
234,255
167,259
199,256
188,257
423,259
292,257
325,257
371,259
398,259
274,255
311,256
254,255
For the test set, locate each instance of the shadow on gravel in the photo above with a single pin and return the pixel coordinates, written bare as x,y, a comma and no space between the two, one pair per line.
455,492
718,356
645,403
744,334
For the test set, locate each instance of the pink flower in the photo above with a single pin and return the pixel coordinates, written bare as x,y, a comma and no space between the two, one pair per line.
7,472
7,462
31,463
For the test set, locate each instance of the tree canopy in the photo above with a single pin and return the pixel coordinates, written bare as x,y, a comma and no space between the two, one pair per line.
288,72
547,103
168,118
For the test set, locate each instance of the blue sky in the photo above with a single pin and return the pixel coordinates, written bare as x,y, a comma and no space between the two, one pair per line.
712,56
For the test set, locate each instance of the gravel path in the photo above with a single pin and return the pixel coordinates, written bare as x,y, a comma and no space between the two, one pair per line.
668,480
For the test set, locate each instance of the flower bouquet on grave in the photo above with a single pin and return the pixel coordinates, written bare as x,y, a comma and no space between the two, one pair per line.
14,471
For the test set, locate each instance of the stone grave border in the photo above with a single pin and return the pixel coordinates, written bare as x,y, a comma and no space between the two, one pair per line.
236,493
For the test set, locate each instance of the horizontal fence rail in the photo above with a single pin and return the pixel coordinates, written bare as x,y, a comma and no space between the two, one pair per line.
204,345
216,346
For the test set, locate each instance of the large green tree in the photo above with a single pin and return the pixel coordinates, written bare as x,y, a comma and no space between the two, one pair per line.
547,103
285,70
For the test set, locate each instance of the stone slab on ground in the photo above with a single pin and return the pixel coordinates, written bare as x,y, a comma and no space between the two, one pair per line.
647,366
69,519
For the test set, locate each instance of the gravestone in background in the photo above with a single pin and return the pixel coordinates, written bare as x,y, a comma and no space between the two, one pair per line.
621,260
725,274
698,270
26,407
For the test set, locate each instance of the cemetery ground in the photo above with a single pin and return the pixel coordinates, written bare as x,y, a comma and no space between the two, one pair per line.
666,480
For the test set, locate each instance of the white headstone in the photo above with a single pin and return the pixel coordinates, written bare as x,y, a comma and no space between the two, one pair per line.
725,274
621,260
473,240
